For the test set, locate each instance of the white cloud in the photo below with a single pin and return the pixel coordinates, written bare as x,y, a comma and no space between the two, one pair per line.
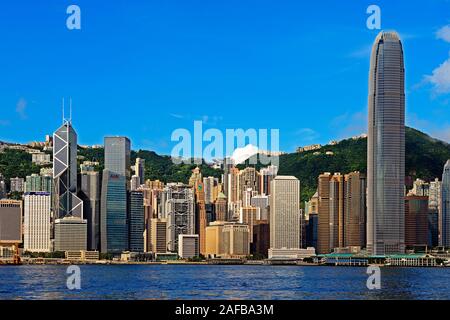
175,115
242,154
440,78
444,33
21,108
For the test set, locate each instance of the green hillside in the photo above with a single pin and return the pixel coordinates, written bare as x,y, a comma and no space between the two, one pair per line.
156,166
425,158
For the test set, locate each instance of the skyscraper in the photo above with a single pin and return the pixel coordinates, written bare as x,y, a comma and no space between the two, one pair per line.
416,221
118,155
113,216
139,170
70,234
180,210
386,147
267,175
67,203
37,222
158,235
90,194
10,221
355,210
444,220
221,208
285,216
342,211
201,220
114,206
330,190
137,221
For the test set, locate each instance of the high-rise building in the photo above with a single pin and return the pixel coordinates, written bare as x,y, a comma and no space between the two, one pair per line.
434,212
188,245
260,241
37,211
312,206
67,203
232,185
137,222
312,230
10,221
39,183
416,221
90,194
261,202
355,211
248,178
342,211
236,240
17,184
249,216
327,234
201,220
227,167
214,241
267,175
180,211
70,234
135,183
210,185
118,155
196,177
285,218
221,208
114,204
113,213
444,220
434,200
386,147
139,169
158,235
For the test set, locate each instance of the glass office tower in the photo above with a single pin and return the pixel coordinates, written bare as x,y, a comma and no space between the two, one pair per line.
386,147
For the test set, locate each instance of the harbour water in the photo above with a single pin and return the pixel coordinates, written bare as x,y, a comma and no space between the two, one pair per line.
221,282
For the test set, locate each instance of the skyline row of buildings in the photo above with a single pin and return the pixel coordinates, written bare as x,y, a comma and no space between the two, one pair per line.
244,211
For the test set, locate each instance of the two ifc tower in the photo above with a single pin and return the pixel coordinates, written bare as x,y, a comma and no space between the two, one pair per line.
386,147
385,152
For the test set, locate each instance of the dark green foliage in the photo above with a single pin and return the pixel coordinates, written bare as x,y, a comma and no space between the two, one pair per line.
425,158
15,195
16,163
157,167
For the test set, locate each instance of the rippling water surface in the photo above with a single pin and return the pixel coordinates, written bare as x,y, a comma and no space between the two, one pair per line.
221,282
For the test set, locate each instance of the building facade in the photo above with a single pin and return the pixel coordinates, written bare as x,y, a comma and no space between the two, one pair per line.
90,188
285,219
37,215
137,222
386,147
444,220
189,246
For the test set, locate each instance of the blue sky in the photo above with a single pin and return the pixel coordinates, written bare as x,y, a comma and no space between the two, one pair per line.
145,68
